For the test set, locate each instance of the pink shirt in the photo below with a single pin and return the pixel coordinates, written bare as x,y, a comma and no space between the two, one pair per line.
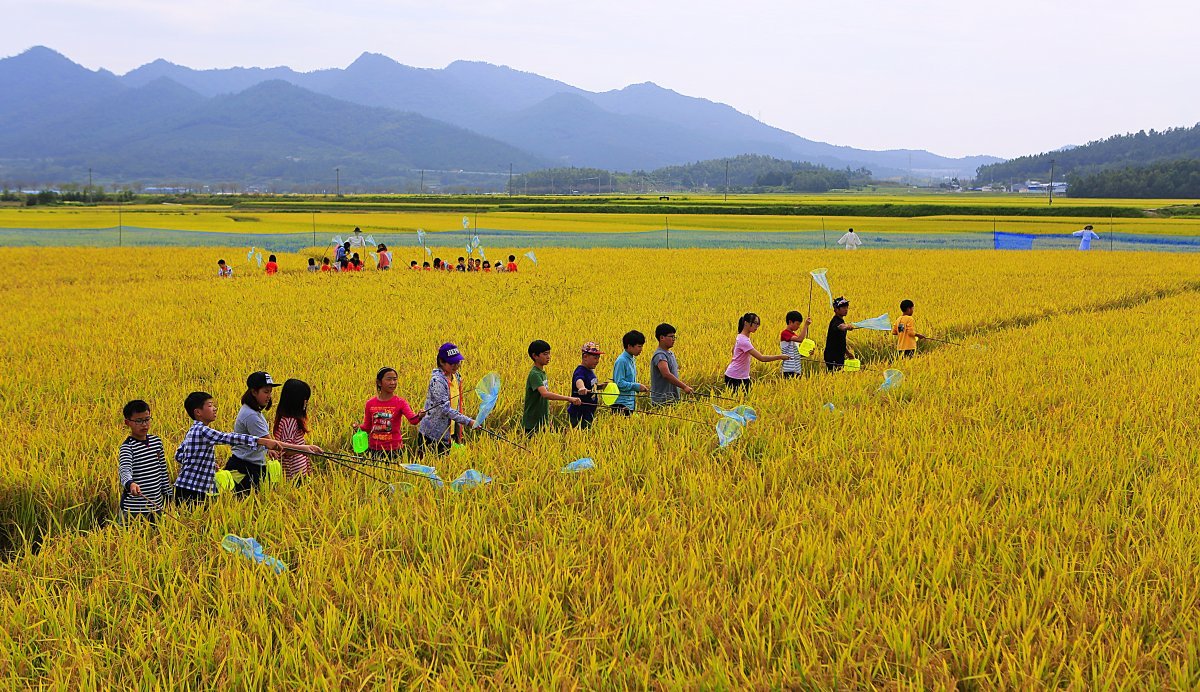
382,420
294,464
739,367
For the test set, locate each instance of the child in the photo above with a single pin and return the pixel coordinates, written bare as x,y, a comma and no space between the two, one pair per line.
224,270
197,464
584,382
470,265
413,266
512,265
381,417
460,267
737,375
444,403
797,331
291,425
325,265
664,369
312,265
356,264
142,466
343,252
425,266
343,265
487,266
251,460
836,348
478,265
272,266
437,264
905,330
537,395
625,373
385,258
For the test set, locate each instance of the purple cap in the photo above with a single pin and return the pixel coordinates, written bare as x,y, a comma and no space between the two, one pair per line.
448,353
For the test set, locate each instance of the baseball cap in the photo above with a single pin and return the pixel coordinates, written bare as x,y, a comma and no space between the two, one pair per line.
259,379
592,348
448,353
840,302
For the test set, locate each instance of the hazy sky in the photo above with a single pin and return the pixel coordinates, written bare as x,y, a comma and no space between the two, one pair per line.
964,77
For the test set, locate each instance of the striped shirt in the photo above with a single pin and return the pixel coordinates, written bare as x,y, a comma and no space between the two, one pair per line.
790,349
143,462
197,463
287,429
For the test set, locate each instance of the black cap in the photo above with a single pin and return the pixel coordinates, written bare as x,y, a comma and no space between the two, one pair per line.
259,379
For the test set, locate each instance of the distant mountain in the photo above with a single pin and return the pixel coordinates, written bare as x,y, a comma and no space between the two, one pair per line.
273,134
494,100
375,119
1115,152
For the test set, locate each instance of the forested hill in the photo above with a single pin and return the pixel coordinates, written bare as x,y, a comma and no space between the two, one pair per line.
1115,152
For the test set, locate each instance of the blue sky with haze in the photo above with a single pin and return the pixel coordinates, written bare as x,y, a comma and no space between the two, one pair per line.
955,78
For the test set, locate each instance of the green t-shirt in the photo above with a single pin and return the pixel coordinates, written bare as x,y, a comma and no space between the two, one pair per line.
537,407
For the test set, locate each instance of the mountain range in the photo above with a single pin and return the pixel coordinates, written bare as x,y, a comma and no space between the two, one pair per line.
377,121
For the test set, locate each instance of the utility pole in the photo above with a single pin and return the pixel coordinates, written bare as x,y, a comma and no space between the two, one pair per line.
422,181
89,190
726,180
338,172
1051,183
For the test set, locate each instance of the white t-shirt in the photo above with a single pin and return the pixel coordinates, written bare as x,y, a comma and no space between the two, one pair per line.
850,240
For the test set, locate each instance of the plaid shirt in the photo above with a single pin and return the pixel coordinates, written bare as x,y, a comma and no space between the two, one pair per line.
197,464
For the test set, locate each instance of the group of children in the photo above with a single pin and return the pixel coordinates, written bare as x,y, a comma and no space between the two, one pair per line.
441,422
466,264
347,261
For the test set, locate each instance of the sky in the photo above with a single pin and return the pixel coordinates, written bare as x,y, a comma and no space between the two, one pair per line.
955,78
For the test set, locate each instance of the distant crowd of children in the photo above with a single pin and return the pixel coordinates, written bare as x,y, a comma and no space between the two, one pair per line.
347,261
442,421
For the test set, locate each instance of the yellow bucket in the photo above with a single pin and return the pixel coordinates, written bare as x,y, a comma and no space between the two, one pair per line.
853,365
224,481
274,475
806,348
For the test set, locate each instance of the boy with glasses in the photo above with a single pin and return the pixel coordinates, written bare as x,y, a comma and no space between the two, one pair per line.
142,466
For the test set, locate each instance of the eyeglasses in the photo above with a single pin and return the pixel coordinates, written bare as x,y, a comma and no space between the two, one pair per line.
140,421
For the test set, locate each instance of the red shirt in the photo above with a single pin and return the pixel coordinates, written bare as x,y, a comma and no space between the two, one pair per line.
272,267
382,420
511,266
326,268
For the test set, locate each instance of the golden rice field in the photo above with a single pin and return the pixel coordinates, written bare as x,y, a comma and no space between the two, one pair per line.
1016,516
332,221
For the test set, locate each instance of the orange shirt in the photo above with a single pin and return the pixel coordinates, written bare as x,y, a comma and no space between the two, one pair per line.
905,330
511,267
272,267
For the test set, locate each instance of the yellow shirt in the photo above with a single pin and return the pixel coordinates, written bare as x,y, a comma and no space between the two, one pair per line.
905,330
455,392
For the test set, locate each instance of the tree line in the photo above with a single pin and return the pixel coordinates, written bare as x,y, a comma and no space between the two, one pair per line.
1175,179
739,174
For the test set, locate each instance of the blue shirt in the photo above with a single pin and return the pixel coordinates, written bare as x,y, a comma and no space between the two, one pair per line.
589,380
625,375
